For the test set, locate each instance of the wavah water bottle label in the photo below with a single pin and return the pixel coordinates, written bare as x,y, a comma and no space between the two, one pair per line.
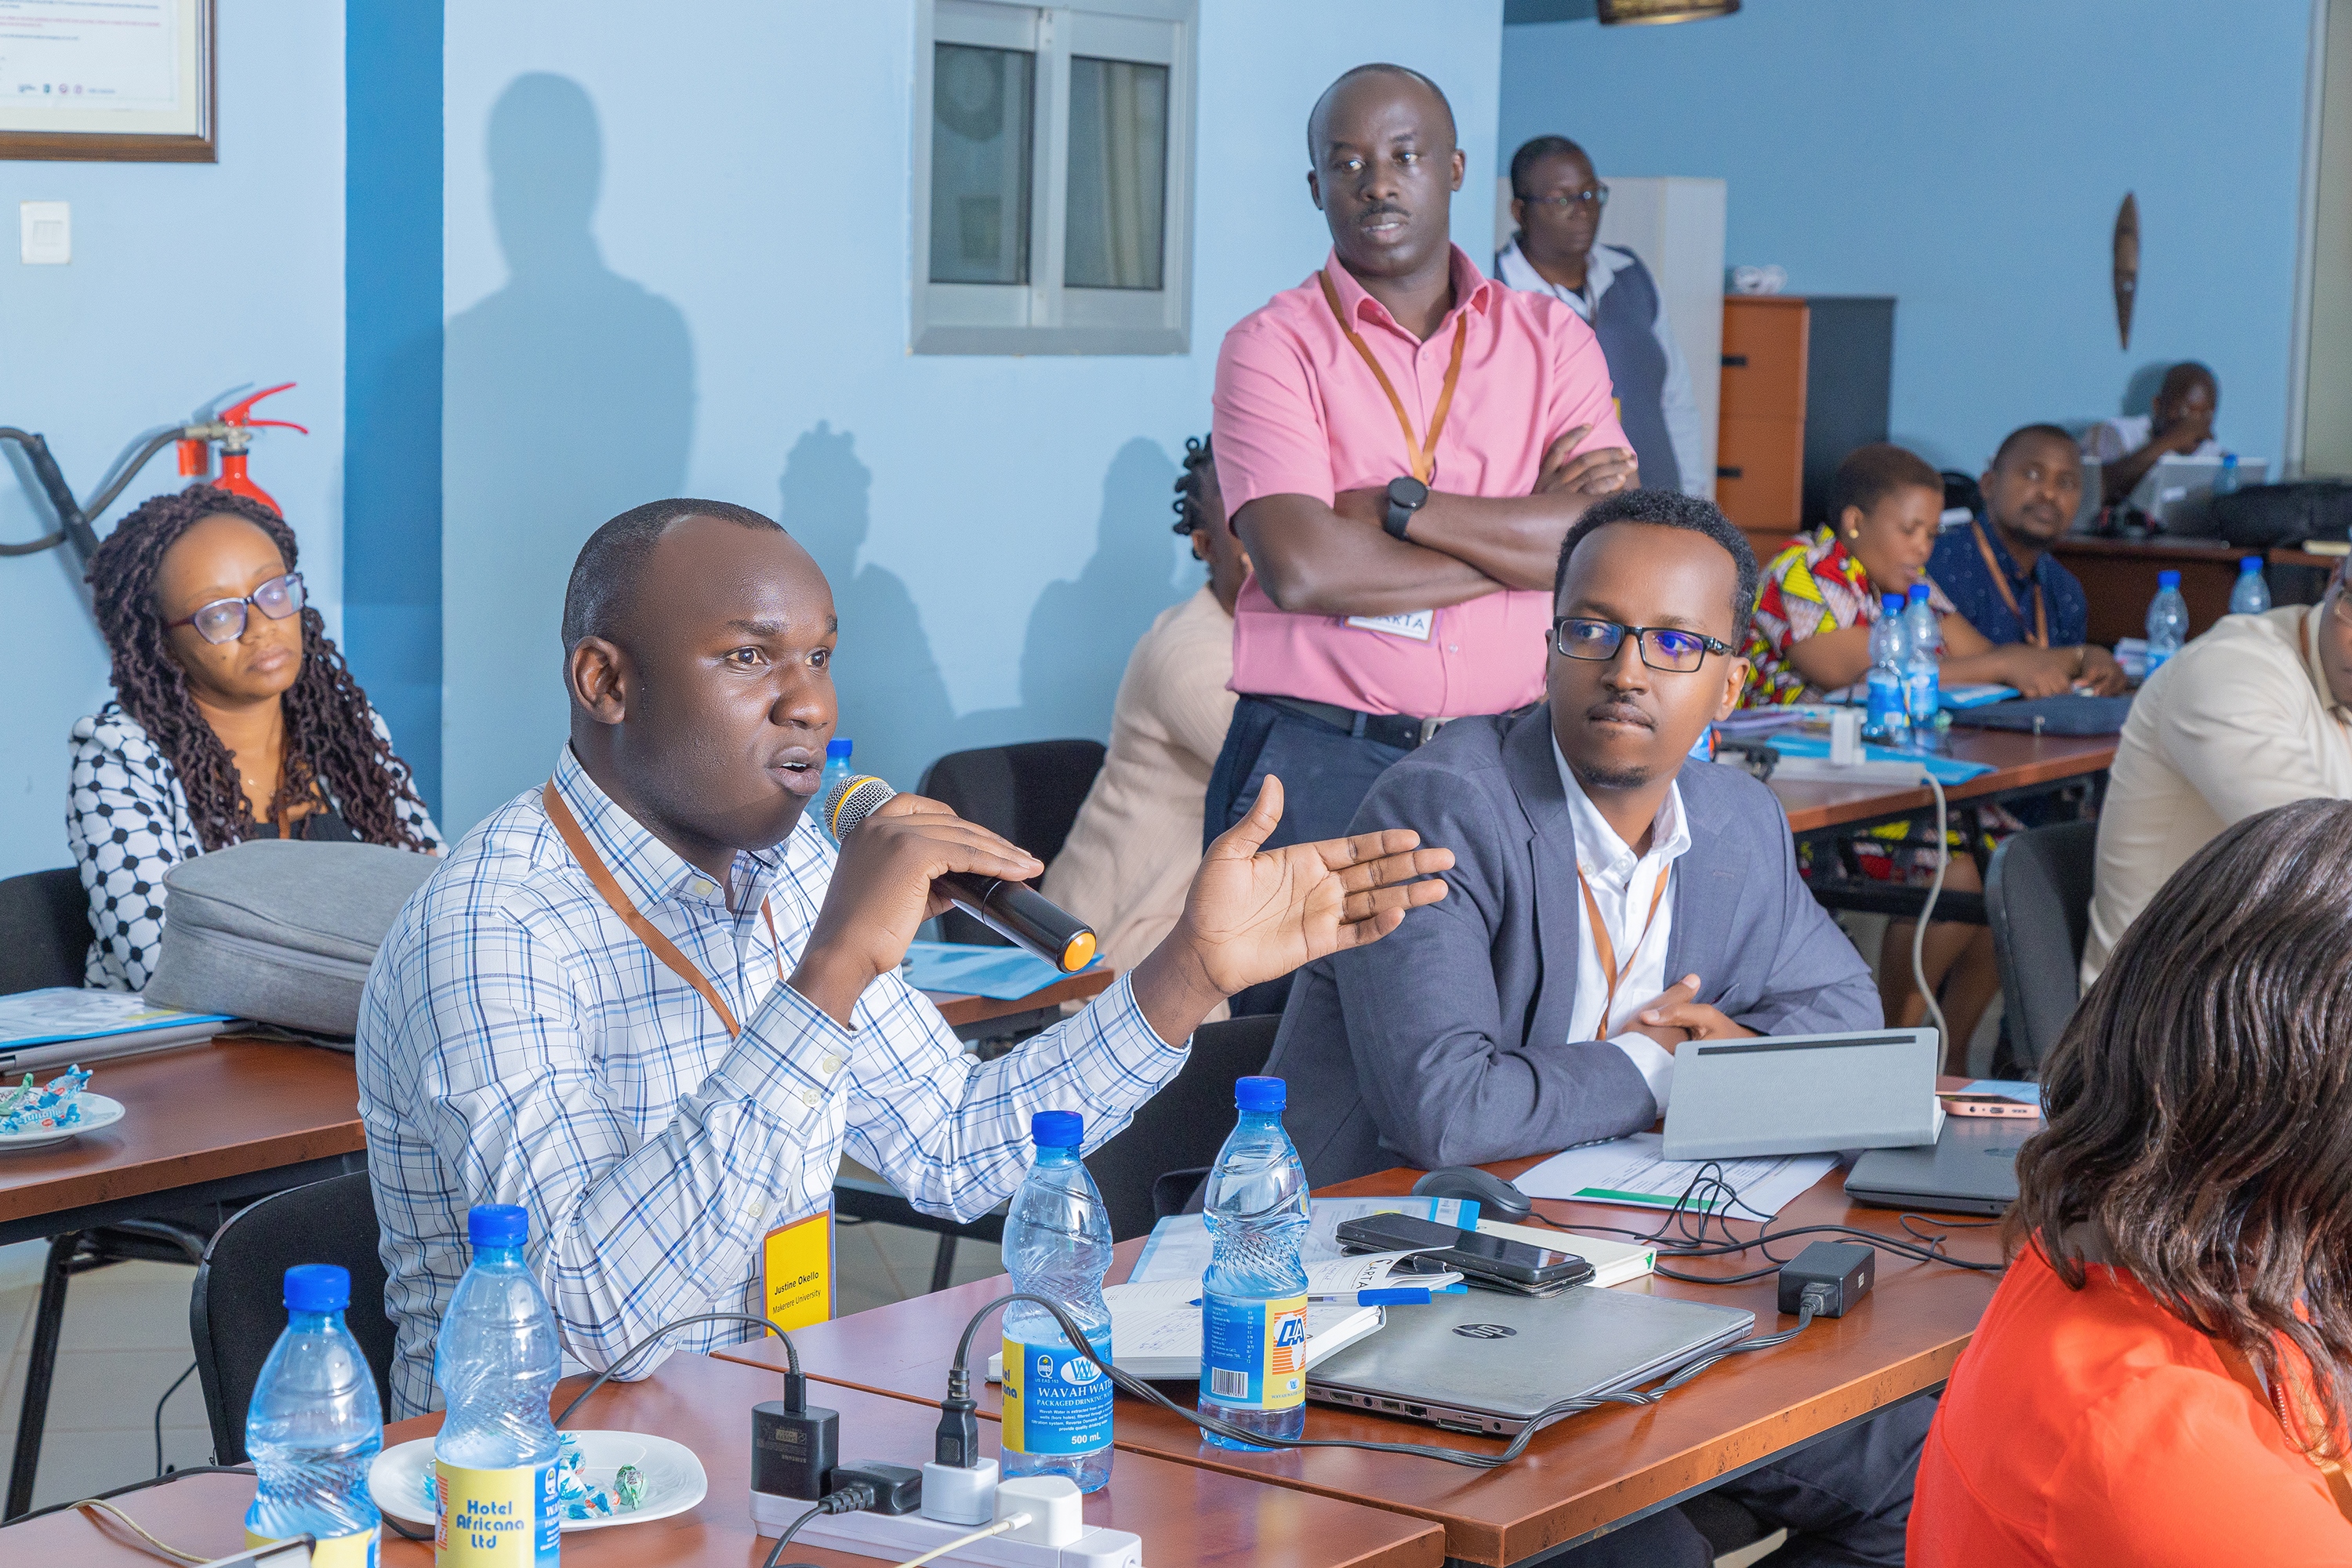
1253,1351
497,1518
356,1550
1056,1401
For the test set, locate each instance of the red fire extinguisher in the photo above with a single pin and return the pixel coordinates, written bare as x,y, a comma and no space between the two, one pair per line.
232,429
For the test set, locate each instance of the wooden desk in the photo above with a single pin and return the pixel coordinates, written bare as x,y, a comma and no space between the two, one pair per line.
1585,1476
2019,762
1186,1514
960,1011
204,1123
2118,578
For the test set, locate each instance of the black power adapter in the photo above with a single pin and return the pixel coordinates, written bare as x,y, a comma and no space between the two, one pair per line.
795,1445
1833,1274
897,1488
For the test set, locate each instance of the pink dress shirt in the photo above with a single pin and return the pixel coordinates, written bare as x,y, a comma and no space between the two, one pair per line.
1298,411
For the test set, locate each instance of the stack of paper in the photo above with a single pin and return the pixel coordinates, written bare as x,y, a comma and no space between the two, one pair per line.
1634,1171
57,1024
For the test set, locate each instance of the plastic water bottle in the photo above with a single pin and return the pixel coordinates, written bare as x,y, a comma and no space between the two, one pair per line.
2251,595
315,1426
2167,621
836,768
1057,1403
1253,1298
1923,640
2225,482
496,1361
1888,721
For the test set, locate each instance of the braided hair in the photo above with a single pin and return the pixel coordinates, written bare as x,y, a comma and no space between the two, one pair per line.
1187,505
330,736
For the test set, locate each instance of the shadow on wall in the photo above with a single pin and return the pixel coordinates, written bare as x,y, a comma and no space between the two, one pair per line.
570,398
894,701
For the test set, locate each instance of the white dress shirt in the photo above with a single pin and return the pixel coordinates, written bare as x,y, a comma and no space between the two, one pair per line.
518,1044
1677,404
1624,884
2128,432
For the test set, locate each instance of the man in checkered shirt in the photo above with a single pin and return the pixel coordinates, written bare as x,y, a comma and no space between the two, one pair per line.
520,1043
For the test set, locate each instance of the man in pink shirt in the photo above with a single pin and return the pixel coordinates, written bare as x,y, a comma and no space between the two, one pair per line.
1402,444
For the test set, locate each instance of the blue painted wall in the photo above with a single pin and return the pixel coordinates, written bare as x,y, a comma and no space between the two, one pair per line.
187,280
1969,160
678,262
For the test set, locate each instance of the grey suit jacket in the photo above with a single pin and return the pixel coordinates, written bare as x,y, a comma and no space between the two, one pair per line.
1447,1043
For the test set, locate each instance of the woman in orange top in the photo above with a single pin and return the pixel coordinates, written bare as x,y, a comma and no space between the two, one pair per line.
2163,1375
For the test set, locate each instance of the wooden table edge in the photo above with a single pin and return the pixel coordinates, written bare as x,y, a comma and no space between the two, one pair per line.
2024,775
961,1008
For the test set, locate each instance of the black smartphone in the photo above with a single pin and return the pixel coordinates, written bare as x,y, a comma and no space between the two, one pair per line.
1468,1252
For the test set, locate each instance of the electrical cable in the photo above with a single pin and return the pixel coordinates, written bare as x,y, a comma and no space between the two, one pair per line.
1009,1522
959,1383
1927,912
179,1475
159,1413
792,1355
848,1499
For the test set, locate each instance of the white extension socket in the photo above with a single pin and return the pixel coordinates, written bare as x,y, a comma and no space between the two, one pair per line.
896,1537
1821,770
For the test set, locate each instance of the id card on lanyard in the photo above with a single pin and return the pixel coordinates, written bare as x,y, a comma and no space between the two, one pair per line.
796,1259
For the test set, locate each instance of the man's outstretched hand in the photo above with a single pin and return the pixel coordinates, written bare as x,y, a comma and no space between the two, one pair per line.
1255,915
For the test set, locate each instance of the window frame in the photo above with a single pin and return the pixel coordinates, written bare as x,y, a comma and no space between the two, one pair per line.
1046,315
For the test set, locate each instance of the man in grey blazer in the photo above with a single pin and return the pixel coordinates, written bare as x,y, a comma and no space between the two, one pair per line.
1609,898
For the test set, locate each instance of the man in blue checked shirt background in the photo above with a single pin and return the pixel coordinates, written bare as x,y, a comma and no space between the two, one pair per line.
651,1003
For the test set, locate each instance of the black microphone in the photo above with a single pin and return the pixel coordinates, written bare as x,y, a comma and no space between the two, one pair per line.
1013,910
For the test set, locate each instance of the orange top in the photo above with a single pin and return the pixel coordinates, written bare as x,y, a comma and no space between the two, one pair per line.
2092,1426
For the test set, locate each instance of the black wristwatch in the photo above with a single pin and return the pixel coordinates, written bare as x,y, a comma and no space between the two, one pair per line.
1407,495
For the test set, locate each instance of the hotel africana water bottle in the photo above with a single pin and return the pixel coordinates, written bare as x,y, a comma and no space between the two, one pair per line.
314,1427
1253,1298
1057,1403
497,1361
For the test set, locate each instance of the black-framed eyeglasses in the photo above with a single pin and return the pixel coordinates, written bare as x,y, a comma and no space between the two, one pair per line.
223,620
1669,649
1594,197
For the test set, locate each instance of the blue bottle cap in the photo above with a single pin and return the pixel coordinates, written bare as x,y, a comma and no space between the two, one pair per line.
1260,1093
318,1288
497,1224
1058,1129
2249,564
837,749
2167,579
1918,593
1891,602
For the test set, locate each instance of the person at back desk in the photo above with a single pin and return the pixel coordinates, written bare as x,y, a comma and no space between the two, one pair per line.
2178,424
2000,572
1402,442
2163,1376
1610,898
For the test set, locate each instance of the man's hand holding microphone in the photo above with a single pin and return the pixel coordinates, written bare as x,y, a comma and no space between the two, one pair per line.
1250,916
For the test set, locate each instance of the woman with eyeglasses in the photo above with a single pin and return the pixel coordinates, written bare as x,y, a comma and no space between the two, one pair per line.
233,718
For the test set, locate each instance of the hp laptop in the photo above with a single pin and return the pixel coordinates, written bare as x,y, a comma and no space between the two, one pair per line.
2178,491
1970,1168
1488,1362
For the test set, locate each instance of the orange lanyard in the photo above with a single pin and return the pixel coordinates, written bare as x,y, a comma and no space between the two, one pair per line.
601,877
2340,1486
2040,636
1610,968
1422,456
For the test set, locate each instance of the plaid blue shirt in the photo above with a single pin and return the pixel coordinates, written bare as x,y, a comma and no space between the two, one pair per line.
519,1044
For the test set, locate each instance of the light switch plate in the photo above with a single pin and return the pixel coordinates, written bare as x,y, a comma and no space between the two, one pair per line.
47,233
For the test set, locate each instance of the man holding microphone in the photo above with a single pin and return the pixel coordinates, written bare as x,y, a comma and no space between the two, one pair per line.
651,1003
1402,444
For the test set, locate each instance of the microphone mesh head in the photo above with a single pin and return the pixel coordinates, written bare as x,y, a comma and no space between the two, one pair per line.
853,800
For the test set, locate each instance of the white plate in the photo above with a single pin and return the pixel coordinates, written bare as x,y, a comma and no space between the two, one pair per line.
97,1112
673,1477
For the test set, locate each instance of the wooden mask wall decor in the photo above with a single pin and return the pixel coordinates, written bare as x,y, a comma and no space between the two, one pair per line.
2126,266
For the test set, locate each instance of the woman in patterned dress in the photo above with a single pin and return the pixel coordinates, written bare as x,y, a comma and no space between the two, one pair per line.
1811,634
233,718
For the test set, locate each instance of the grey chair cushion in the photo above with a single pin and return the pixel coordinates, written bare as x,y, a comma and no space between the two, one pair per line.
281,930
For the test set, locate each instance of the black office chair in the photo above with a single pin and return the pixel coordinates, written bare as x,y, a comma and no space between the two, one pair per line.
44,930
1156,1162
1028,792
2038,901
237,1310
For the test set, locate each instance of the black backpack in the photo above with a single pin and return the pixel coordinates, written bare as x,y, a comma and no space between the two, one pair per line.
2263,515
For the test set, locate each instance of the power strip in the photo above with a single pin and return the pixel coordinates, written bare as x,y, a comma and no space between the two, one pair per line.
896,1537
1821,770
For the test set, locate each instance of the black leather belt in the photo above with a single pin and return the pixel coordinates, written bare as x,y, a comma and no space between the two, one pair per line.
1398,730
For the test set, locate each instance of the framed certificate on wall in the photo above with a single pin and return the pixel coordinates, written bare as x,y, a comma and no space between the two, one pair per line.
124,80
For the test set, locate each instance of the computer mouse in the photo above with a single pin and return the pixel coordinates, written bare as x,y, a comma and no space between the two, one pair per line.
1496,1198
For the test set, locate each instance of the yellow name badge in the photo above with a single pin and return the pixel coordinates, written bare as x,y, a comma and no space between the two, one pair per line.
796,1271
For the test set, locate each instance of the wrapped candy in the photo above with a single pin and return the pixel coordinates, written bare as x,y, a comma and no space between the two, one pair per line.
629,1487
52,1107
580,1499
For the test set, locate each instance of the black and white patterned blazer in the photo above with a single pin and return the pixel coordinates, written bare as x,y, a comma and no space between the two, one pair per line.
127,818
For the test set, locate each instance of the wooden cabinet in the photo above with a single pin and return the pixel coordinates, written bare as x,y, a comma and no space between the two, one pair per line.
1805,381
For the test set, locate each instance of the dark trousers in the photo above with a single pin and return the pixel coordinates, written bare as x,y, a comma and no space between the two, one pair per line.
1845,1501
1325,772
